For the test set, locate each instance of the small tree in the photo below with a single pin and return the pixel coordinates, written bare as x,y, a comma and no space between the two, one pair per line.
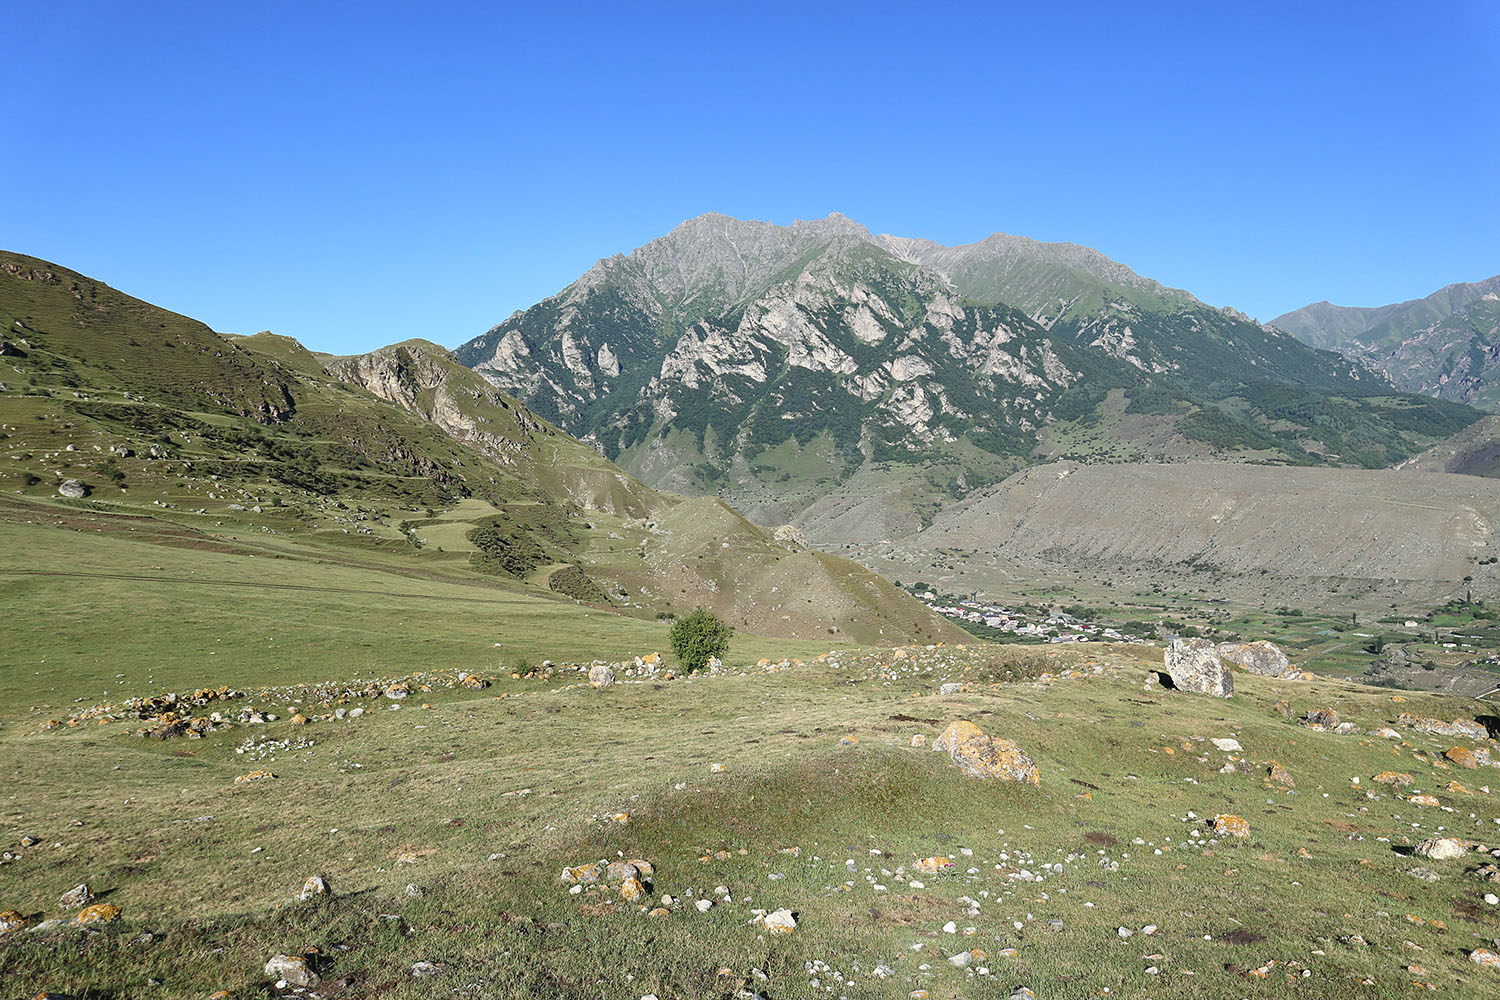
698,638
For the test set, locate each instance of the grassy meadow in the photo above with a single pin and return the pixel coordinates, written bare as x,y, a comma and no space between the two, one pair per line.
789,786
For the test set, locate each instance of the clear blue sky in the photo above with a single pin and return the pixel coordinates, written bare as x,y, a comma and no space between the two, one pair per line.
353,174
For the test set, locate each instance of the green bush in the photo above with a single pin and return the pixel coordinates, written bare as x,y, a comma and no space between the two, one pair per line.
698,638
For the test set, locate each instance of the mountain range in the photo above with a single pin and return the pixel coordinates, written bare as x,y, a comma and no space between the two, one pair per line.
1446,345
777,366
401,458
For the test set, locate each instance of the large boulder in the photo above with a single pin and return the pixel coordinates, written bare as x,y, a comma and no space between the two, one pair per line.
1259,657
1194,666
72,489
982,756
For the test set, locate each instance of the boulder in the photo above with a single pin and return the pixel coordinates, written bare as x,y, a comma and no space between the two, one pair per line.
315,886
1440,848
1230,825
601,675
72,489
10,921
292,970
76,898
99,913
1195,667
1321,719
981,756
1259,657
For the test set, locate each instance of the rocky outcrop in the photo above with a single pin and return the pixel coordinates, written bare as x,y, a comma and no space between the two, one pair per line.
1259,657
1194,666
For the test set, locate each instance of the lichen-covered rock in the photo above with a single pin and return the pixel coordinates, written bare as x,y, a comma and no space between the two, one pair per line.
1230,825
11,921
631,889
316,885
473,682
1396,779
782,921
619,871
99,913
601,675
933,865
982,756
591,872
1259,657
1466,728
1281,775
1321,719
1441,848
1195,667
1424,800
256,775
1462,756
919,741
1485,957
291,969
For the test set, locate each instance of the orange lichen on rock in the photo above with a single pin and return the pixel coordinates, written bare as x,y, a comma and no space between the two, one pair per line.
99,913
981,756
631,889
1397,779
1230,825
256,775
1462,756
1423,800
11,921
933,865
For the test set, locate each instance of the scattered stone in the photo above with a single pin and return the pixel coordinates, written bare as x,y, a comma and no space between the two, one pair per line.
98,913
29,841
1281,775
72,489
951,687
1230,825
473,682
1396,779
291,970
1195,667
1440,848
1424,800
982,756
919,741
76,898
1259,657
1425,874
425,970
933,865
1228,744
396,692
413,891
1485,957
601,675
591,872
315,886
631,889
961,960
619,871
11,921
256,775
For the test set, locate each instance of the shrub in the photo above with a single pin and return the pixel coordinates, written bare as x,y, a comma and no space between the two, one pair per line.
698,638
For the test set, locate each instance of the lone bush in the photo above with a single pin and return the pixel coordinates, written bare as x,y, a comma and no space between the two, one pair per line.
698,638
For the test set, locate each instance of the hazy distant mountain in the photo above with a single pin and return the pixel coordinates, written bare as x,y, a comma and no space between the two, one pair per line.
1444,345
778,364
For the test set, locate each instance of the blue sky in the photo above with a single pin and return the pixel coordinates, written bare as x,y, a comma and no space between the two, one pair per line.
353,174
